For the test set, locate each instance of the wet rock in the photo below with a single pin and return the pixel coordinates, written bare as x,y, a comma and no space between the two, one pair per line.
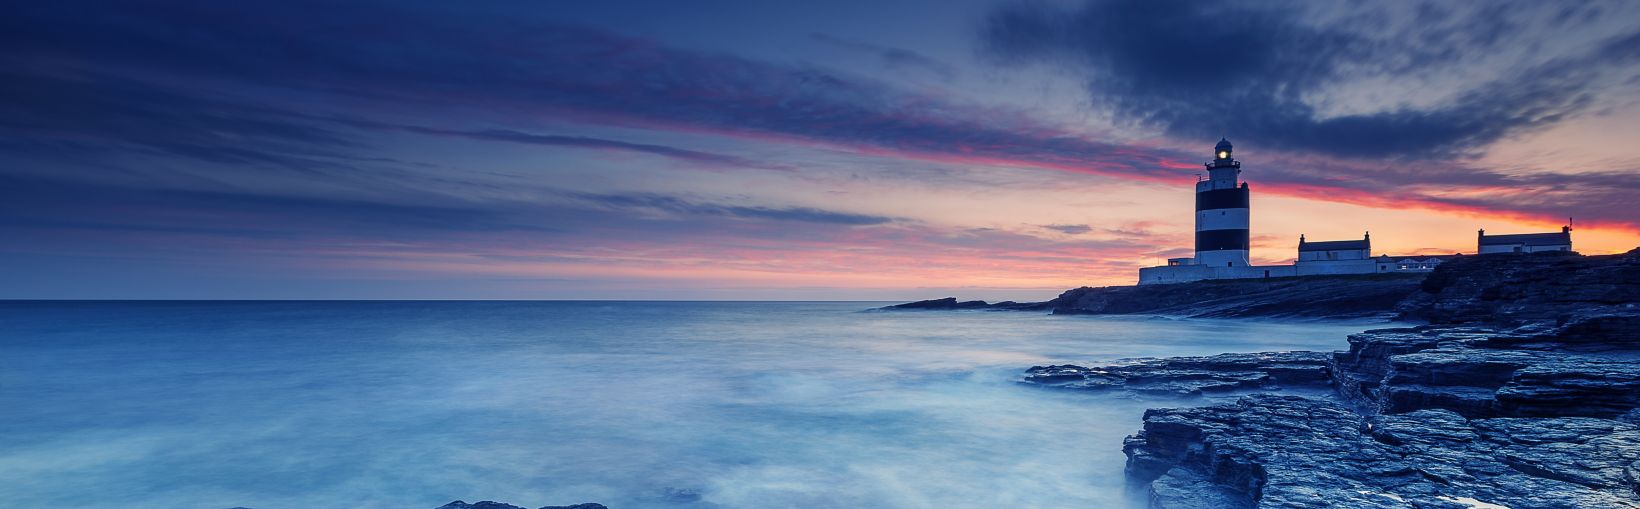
1286,451
1190,376
498,505
1479,372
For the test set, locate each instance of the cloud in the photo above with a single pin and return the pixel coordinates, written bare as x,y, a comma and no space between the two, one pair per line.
890,57
678,205
97,113
250,83
1069,229
707,159
513,67
1260,71
35,204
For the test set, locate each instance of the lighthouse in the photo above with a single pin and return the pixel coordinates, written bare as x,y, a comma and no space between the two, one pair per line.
1222,240
1221,212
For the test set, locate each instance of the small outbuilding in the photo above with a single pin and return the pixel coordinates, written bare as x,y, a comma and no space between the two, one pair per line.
1525,242
1335,250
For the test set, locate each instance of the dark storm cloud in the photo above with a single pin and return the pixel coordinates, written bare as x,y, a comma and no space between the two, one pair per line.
1253,70
890,57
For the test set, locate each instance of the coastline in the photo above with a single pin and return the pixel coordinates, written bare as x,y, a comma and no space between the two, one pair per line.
1369,296
1521,391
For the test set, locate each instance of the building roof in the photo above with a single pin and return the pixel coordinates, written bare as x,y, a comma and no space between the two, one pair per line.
1334,245
1419,258
1529,239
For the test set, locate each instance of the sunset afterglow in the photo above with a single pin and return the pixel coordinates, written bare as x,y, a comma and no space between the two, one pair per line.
835,151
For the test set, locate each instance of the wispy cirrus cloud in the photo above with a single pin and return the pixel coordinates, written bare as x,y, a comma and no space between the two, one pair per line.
679,205
702,158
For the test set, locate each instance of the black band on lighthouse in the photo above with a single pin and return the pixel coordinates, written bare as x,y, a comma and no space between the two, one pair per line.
1221,240
1234,198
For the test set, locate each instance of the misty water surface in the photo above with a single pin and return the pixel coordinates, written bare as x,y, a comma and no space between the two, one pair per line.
637,405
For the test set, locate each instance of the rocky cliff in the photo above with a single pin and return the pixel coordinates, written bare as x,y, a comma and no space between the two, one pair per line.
1513,289
1521,393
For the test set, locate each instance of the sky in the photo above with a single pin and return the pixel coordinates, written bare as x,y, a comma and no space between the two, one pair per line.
772,150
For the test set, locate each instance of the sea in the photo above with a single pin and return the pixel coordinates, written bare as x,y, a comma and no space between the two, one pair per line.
674,405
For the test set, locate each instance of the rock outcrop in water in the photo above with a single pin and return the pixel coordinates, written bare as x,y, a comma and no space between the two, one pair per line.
1522,393
498,505
951,304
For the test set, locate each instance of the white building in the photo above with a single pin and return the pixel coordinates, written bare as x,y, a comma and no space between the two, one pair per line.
1525,242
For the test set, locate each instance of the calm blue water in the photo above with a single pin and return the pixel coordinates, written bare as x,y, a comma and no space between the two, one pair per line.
277,405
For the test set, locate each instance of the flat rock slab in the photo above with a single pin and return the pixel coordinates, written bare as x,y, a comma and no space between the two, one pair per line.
1286,451
1479,373
1190,376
